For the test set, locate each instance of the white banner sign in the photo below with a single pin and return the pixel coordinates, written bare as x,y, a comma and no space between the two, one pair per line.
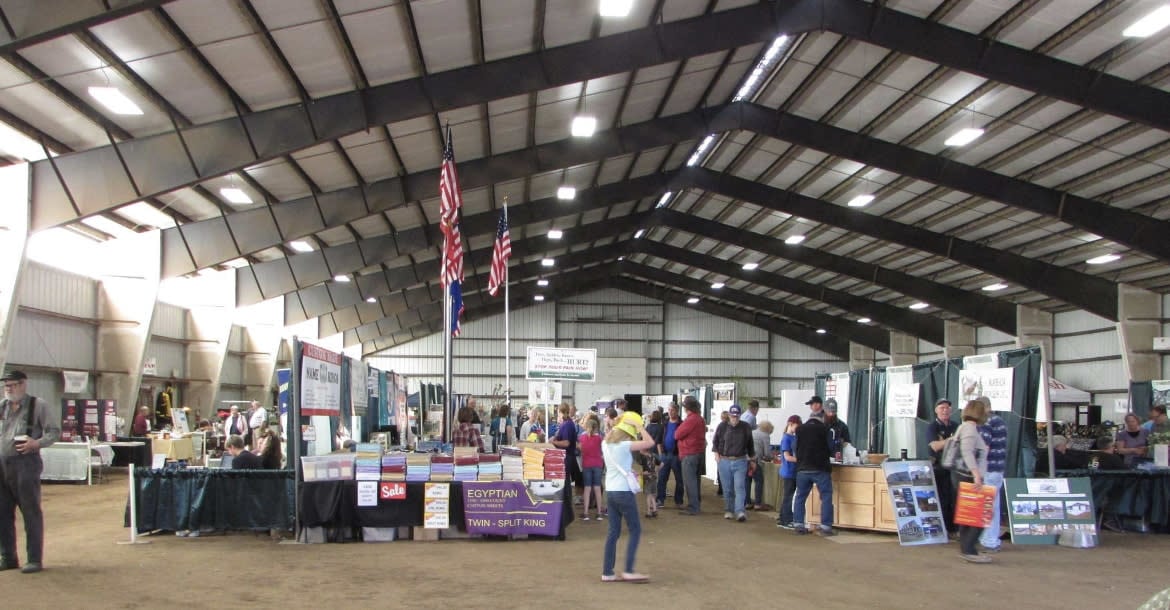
544,392
358,396
561,363
903,400
367,493
373,383
75,381
995,384
320,381
150,366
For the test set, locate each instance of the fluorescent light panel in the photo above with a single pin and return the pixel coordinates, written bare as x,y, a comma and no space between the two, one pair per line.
1104,258
235,195
547,262
994,287
542,282
664,199
583,126
114,100
750,266
717,285
919,305
301,245
566,192
861,201
792,240
821,331
371,300
344,279
864,320
639,233
616,8
964,136
693,300
539,297
1149,25
555,233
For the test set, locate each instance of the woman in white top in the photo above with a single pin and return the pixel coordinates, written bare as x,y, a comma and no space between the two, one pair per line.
619,448
973,455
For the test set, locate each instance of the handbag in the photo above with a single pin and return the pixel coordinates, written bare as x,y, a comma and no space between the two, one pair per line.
973,505
952,456
633,480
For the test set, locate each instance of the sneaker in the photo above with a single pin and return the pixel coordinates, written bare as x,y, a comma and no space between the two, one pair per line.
728,516
687,513
584,517
193,534
601,516
610,578
182,533
31,567
827,533
785,526
799,531
741,517
975,558
989,550
8,565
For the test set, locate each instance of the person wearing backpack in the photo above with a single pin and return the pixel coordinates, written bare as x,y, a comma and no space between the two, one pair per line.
939,430
27,425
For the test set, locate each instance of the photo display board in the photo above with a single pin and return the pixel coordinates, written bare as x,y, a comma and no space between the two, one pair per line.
917,508
1040,510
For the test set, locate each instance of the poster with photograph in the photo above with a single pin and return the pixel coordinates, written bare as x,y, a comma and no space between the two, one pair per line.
320,383
996,384
915,501
1160,389
1040,510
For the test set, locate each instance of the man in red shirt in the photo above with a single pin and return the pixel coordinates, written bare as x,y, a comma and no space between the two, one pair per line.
141,422
691,437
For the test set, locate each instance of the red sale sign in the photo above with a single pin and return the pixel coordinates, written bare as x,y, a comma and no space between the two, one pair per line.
392,491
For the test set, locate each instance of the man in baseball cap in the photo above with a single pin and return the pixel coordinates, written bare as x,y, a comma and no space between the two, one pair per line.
733,447
815,405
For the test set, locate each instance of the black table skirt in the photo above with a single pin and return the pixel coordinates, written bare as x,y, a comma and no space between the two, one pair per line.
213,499
1130,492
132,456
334,504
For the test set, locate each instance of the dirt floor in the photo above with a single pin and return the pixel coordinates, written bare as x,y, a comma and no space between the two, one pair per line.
695,562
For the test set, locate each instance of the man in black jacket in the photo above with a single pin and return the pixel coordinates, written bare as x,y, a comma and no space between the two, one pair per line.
812,468
242,459
733,447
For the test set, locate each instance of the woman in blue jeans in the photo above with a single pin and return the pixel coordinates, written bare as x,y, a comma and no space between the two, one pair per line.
619,448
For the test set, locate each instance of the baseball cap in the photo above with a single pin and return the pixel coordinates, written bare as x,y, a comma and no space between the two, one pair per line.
14,376
831,404
815,398
942,400
734,410
629,423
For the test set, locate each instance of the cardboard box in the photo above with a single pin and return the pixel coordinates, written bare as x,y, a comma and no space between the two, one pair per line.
424,534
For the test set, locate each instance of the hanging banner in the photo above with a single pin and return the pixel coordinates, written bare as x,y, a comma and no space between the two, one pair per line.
981,362
109,421
75,381
358,392
437,505
544,392
1039,510
995,384
150,366
723,396
914,496
320,382
508,508
902,400
561,363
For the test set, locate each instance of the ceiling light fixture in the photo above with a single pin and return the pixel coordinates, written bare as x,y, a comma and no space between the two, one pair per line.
566,192
371,300
639,233
583,126
547,262
994,287
698,154
821,331
235,195
792,240
301,245
864,320
717,285
114,100
1104,258
919,305
555,233
693,300
664,199
616,8
539,297
1149,25
763,67
861,201
750,266
542,282
344,279
964,136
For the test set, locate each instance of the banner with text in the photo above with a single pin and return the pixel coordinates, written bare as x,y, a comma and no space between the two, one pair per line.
508,508
359,394
320,381
561,363
903,400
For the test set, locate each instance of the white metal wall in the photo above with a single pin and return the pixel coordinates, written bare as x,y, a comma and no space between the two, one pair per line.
58,291
1087,355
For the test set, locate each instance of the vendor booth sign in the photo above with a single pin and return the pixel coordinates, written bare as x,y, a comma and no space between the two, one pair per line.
508,508
561,363
917,508
320,382
903,400
1040,510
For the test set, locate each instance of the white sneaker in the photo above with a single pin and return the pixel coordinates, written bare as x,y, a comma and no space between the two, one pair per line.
728,516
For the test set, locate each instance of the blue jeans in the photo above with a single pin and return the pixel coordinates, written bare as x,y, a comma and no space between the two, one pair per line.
990,536
622,505
758,485
690,470
805,479
733,475
670,463
786,500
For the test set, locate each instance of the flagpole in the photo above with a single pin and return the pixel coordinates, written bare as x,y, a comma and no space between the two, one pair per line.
507,331
448,345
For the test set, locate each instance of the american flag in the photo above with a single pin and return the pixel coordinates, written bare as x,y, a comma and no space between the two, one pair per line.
451,274
501,252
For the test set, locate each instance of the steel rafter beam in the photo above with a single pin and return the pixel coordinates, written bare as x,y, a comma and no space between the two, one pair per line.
997,61
157,164
30,22
331,297
986,311
899,318
1086,291
301,271
869,336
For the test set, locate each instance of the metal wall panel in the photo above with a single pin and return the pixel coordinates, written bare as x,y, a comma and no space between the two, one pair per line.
996,339
169,321
1091,376
171,357
784,348
1098,344
41,340
614,349
233,370
229,394
56,290
236,339
705,351
1076,321
687,324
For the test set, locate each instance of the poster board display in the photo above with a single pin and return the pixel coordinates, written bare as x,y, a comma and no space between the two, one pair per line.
916,506
651,403
359,393
1040,510
70,420
544,392
320,383
437,506
90,418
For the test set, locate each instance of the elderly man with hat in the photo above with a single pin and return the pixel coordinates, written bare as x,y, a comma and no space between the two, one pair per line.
27,424
733,448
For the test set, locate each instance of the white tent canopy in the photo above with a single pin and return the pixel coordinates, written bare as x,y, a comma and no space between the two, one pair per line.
1060,392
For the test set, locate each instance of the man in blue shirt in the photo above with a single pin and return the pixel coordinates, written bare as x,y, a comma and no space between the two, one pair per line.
668,452
995,434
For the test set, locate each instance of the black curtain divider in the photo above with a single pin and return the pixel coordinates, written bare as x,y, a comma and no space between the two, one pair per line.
878,400
1141,398
213,499
859,404
1021,421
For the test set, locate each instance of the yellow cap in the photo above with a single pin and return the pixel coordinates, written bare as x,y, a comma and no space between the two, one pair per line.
629,423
